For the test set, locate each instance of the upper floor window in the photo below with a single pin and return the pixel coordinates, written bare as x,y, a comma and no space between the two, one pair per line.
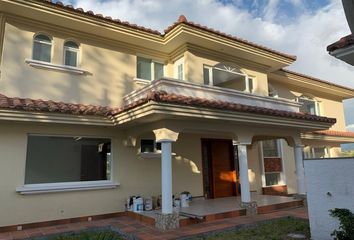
309,105
228,77
272,92
71,54
179,69
42,48
148,69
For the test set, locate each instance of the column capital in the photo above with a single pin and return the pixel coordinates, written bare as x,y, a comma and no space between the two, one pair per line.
165,135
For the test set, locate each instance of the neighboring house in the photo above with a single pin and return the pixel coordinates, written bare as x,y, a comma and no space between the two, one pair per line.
344,48
89,105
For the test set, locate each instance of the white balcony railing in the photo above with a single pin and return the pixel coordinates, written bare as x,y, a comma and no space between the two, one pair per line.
188,89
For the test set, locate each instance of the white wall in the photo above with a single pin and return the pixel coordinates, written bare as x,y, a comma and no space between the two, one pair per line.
334,176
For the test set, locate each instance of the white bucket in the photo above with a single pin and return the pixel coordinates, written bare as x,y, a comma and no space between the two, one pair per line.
138,205
184,200
177,203
148,204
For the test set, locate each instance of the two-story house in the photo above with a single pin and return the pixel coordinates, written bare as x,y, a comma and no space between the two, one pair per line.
94,110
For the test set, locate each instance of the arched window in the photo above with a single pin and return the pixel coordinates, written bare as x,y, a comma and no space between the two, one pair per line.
309,105
272,92
42,48
71,54
228,76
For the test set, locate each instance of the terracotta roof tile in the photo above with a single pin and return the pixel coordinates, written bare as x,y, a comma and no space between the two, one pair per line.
334,133
205,103
341,43
181,20
315,79
31,105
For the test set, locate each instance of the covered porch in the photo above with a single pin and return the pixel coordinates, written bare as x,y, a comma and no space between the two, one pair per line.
169,116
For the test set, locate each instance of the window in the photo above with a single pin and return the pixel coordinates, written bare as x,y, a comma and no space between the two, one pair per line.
71,54
227,77
271,148
52,159
42,48
272,162
178,69
149,146
316,152
309,105
272,92
148,69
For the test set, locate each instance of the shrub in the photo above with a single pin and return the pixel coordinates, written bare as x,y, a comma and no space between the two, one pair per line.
346,226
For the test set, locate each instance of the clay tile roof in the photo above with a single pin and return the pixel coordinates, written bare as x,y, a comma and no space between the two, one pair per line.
39,105
341,43
315,79
161,96
334,133
181,20
158,96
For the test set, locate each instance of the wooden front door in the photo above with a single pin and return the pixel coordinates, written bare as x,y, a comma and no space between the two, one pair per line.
219,157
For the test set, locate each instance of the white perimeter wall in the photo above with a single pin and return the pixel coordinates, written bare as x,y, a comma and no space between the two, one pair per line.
332,176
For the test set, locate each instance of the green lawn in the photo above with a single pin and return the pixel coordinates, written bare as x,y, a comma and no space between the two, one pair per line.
89,235
273,230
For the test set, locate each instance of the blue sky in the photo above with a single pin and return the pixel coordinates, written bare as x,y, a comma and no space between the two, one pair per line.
300,27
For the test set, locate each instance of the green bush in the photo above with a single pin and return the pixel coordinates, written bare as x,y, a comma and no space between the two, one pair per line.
346,227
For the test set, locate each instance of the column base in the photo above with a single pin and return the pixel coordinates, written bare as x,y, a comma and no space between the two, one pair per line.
165,222
251,208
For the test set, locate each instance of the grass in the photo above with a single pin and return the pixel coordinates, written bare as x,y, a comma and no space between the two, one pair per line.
87,235
272,230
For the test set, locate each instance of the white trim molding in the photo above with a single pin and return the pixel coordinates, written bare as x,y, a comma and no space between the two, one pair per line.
65,187
57,67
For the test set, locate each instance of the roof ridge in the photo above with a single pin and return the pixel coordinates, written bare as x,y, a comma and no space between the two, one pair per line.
181,20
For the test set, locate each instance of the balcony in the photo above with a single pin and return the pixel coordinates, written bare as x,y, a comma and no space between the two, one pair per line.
184,88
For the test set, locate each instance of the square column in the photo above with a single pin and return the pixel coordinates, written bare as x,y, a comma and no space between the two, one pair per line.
246,202
166,177
167,219
300,170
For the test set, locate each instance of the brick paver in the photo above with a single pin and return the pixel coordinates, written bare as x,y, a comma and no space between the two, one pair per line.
145,232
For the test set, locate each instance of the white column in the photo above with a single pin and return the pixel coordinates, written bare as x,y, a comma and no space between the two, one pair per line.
245,184
300,171
166,173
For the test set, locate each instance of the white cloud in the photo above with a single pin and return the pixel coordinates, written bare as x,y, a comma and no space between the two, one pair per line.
306,36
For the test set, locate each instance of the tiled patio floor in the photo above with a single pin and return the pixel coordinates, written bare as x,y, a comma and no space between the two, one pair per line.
143,231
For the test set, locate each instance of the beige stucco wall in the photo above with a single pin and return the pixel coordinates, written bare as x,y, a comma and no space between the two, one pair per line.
136,175
111,68
328,107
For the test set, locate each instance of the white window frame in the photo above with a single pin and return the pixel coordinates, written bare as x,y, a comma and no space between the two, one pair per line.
247,77
280,155
43,42
152,66
317,103
177,64
38,188
76,50
155,146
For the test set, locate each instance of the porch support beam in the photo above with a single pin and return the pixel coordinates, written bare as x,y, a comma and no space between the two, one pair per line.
300,171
